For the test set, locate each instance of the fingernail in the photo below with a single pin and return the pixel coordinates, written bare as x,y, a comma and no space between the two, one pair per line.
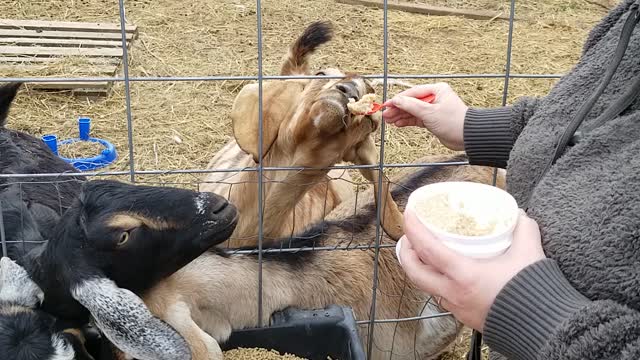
398,247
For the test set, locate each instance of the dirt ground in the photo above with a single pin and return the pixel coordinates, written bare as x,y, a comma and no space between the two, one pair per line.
203,37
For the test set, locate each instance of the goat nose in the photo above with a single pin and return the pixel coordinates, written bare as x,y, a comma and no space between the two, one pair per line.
349,89
215,203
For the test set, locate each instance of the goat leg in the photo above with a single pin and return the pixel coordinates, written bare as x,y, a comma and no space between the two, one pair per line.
202,345
392,218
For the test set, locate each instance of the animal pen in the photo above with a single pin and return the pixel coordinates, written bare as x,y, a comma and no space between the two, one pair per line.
177,173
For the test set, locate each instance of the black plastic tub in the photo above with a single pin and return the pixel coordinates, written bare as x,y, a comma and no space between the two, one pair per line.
310,334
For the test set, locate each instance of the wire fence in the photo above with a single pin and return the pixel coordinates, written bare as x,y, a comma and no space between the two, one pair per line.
369,324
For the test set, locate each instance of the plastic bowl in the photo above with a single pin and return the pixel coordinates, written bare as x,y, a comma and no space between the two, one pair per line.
480,201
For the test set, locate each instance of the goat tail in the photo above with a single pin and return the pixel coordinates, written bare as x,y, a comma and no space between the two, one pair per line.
316,34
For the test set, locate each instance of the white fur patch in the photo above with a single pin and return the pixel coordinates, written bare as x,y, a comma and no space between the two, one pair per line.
201,203
16,286
316,120
62,350
126,321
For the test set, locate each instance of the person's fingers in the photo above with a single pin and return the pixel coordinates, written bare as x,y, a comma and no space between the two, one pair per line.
423,90
393,112
396,116
404,120
412,106
393,102
430,249
425,276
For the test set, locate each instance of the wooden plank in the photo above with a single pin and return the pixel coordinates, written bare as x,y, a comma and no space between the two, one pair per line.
428,9
63,34
54,51
32,59
32,68
93,93
99,86
64,25
61,42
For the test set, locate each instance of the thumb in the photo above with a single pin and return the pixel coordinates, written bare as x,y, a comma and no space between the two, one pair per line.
526,235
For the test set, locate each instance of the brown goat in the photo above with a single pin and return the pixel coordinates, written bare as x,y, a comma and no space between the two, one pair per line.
217,293
305,124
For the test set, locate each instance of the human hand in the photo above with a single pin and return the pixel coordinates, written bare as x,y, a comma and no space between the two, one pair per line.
465,286
444,117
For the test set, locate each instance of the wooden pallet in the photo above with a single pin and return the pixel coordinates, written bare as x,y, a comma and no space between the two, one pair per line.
33,48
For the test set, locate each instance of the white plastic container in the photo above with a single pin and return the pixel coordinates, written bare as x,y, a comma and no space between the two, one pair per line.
483,203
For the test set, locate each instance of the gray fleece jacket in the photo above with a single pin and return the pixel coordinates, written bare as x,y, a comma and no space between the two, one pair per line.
583,302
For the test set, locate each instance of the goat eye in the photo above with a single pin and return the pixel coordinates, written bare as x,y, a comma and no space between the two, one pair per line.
124,237
320,73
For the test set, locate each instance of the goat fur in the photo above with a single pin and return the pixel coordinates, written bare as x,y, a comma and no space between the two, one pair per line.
217,292
293,199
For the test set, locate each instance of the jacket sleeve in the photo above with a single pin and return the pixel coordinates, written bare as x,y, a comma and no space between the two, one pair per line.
489,134
539,315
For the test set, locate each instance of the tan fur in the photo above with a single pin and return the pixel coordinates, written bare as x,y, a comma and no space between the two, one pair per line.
127,221
305,124
221,293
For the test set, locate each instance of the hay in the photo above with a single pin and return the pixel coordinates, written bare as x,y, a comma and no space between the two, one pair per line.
68,66
257,354
200,37
80,149
460,347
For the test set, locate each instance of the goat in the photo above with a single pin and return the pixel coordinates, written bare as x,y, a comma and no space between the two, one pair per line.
305,124
113,240
216,293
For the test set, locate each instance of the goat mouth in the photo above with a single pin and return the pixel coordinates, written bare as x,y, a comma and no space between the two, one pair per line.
215,234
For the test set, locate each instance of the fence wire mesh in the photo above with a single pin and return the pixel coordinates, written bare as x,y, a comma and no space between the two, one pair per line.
368,325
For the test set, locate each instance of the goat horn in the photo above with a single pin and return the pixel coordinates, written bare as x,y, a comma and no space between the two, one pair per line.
391,215
128,323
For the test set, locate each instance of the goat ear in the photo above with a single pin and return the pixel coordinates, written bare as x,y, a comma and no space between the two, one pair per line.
7,94
127,322
279,99
16,286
